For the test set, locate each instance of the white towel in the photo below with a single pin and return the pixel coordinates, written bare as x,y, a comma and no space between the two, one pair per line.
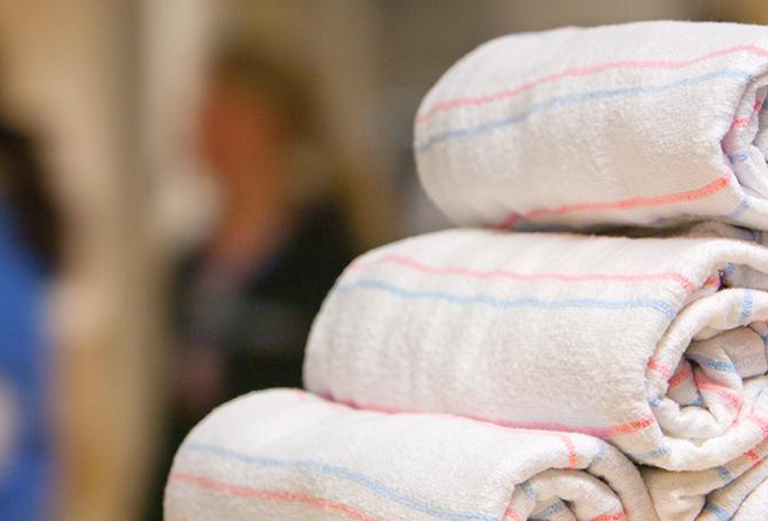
654,344
738,490
636,124
755,507
285,454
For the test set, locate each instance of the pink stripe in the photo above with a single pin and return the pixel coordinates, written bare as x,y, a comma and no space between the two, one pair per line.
570,448
681,376
277,496
712,281
621,516
633,426
511,512
598,432
582,71
740,122
731,398
681,279
753,456
624,204
658,367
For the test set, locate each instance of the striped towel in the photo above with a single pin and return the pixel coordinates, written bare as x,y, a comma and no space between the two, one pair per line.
655,344
737,491
644,123
285,454
753,509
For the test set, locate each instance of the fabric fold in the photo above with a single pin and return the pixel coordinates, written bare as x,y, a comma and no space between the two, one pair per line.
737,490
644,124
286,454
753,509
655,344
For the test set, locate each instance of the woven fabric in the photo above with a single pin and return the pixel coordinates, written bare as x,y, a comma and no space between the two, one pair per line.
642,124
655,344
285,454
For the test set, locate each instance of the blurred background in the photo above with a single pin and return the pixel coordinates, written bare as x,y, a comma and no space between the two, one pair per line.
180,183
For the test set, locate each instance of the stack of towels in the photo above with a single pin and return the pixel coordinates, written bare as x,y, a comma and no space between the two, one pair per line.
590,345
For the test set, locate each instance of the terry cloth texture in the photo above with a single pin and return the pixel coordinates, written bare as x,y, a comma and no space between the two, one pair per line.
655,344
736,491
285,454
642,124
754,508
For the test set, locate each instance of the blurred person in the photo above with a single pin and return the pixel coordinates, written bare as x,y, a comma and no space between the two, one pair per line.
244,303
28,258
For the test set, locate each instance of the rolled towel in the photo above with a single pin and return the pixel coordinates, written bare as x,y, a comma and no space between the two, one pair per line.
736,491
644,123
650,343
285,454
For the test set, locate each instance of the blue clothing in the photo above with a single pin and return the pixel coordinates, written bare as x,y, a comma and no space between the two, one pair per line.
25,480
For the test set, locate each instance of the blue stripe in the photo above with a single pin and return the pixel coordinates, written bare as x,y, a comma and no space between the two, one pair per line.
729,270
345,474
528,489
531,302
652,454
746,308
576,99
740,209
738,157
724,474
601,447
653,401
698,402
554,508
723,366
721,513
661,221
